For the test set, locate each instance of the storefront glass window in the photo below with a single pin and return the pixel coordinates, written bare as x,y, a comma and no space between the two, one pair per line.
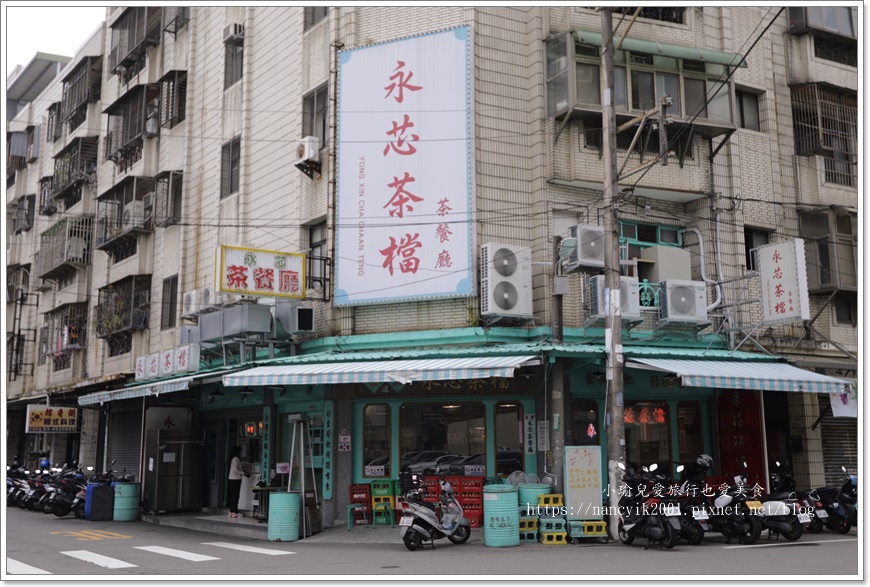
690,431
430,430
584,415
647,434
509,438
376,440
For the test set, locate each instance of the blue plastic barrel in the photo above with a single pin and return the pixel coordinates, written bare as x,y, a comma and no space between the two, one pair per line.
285,510
501,520
126,502
99,498
528,494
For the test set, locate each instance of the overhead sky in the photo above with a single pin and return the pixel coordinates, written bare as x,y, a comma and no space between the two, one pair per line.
59,30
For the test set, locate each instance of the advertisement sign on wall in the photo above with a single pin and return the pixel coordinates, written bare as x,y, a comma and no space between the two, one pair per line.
259,272
52,419
783,271
404,193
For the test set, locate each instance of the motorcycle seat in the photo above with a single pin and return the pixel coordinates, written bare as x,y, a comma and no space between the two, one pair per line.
781,496
425,504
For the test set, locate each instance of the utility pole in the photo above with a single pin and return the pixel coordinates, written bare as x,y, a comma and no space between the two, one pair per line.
613,325
557,376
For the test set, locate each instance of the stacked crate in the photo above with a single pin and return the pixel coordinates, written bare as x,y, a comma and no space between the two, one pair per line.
551,529
430,487
528,526
469,492
586,529
361,493
382,492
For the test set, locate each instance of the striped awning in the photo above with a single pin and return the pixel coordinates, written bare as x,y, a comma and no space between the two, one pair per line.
766,376
154,388
381,371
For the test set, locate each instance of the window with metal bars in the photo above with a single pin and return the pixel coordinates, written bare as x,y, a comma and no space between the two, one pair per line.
54,128
24,212
175,18
173,98
230,167
233,65
313,15
123,306
32,133
168,189
318,260
314,114
169,303
47,202
81,87
666,13
66,332
826,124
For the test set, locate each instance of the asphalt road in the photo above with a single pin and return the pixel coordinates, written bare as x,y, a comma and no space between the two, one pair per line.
37,544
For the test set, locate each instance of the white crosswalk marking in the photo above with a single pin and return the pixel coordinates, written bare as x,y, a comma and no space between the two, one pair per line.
98,559
190,556
244,548
14,567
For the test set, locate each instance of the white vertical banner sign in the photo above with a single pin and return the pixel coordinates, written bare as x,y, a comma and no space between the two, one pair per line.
404,186
782,268
530,434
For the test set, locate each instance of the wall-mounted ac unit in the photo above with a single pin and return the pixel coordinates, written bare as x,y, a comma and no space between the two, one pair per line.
152,127
234,33
209,299
190,303
683,301
134,215
629,297
505,280
590,247
307,150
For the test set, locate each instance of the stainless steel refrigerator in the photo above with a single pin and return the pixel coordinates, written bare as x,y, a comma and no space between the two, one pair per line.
174,470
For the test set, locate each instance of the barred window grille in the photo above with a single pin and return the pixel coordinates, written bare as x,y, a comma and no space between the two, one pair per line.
233,67
168,190
666,14
230,167
81,87
173,98
313,15
314,114
54,127
169,303
123,306
826,124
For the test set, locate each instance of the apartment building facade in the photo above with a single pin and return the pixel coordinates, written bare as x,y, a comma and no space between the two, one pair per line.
238,219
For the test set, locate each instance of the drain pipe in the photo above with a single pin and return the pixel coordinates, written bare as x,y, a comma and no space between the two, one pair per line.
718,288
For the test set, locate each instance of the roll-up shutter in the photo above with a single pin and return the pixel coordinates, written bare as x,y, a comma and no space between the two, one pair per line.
839,445
125,437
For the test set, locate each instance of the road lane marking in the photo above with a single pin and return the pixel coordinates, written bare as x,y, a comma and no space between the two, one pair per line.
190,556
793,543
98,559
14,567
92,534
244,548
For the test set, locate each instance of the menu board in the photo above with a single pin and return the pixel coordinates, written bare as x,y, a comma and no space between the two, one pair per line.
583,499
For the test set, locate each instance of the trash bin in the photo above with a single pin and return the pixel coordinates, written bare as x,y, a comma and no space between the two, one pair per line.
501,520
285,509
99,502
126,498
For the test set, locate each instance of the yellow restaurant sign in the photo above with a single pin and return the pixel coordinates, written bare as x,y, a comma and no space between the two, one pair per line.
52,419
258,272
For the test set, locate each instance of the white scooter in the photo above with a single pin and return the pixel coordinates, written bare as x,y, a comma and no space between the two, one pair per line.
424,522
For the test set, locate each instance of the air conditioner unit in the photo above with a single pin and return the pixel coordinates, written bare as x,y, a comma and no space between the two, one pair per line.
134,214
683,301
629,297
209,299
152,128
307,151
190,303
505,280
590,246
234,33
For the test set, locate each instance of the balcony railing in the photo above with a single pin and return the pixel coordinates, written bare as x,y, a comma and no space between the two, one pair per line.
74,165
64,248
124,306
132,34
125,211
66,330
649,295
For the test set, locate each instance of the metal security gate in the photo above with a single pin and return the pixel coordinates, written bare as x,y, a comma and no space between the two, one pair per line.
125,437
839,445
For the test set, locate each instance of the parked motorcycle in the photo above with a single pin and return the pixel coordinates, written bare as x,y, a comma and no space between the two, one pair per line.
424,522
730,512
642,514
809,510
840,503
780,513
65,497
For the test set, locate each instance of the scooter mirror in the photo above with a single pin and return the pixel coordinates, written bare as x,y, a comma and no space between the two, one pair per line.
680,468
653,467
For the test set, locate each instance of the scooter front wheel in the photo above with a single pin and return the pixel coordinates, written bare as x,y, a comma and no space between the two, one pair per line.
412,540
751,530
624,536
460,535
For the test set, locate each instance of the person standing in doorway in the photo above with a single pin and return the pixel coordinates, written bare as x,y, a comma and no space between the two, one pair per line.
234,486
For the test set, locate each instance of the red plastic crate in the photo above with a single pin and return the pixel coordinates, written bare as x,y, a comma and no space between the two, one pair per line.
360,493
475,521
472,484
467,497
472,509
